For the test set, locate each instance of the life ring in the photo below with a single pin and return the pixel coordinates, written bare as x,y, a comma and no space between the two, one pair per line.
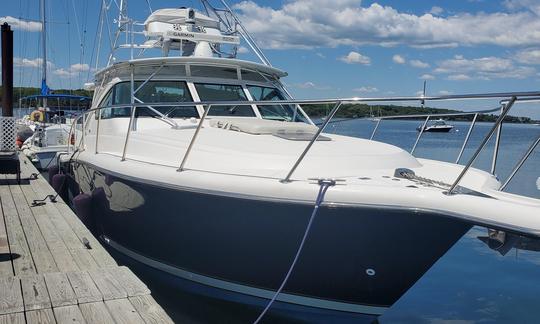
37,115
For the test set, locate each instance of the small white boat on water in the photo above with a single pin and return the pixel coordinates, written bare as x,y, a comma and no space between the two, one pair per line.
439,126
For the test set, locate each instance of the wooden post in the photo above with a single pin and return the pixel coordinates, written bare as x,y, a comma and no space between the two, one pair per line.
7,71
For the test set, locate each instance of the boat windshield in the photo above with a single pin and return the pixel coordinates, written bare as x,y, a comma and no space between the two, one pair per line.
274,112
224,92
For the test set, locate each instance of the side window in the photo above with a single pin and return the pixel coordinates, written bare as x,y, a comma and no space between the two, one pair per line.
152,92
274,112
224,92
107,101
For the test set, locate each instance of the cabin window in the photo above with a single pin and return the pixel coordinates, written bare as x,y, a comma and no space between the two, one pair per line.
152,92
274,112
224,92
252,76
107,101
220,72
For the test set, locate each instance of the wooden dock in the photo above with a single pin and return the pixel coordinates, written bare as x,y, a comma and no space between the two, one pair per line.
53,270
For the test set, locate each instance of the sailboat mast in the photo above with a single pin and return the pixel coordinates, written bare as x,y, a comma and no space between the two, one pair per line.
44,54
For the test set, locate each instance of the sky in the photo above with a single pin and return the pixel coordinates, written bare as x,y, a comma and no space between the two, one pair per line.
338,48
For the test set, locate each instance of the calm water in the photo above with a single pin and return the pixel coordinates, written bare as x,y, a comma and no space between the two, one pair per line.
470,284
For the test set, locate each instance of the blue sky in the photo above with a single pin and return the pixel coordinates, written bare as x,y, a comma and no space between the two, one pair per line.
338,48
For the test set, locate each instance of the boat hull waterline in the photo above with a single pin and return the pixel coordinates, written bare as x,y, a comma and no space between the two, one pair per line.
356,259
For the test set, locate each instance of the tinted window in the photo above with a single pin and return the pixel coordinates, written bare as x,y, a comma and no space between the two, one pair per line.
275,112
152,92
252,76
224,92
213,72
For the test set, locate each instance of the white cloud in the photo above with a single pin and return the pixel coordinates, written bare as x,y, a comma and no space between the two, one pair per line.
418,64
19,24
458,77
318,23
243,50
73,70
398,59
436,10
528,56
366,89
445,93
427,77
355,58
310,85
486,68
532,5
321,55
30,63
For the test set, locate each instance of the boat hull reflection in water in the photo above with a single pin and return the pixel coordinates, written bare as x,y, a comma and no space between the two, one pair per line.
243,247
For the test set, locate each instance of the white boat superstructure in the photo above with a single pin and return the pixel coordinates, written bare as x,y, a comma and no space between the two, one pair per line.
46,142
210,159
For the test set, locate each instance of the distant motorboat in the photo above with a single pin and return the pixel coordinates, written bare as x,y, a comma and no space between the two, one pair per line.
439,126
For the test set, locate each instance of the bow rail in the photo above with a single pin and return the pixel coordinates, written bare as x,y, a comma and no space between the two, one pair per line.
507,101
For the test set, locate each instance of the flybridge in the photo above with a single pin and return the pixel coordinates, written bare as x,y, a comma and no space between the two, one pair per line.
210,30
183,29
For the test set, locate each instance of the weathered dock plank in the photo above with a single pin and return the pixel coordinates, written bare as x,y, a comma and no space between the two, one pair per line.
42,316
15,318
107,284
68,315
60,289
84,287
96,313
35,293
20,252
41,255
149,310
51,233
6,268
11,300
49,275
131,284
123,311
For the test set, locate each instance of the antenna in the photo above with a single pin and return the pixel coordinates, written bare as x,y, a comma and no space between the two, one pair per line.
422,102
44,87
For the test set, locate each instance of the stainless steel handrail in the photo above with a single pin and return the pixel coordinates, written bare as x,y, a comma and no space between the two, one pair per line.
497,144
520,163
482,145
420,134
469,132
308,147
515,97
193,138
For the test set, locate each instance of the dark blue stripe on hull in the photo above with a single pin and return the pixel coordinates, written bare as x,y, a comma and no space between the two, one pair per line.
355,255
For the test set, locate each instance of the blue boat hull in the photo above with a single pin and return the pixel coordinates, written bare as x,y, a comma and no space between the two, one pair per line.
357,261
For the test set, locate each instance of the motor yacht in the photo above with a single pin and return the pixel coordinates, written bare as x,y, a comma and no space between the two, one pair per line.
439,126
201,167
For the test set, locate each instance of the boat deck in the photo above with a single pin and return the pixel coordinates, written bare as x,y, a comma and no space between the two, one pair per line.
53,270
